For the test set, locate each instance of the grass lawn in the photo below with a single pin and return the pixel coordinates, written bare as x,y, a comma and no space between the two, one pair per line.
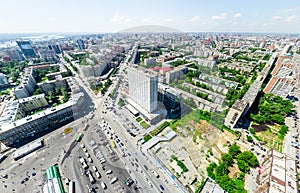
44,79
192,116
147,137
139,119
271,138
144,125
160,128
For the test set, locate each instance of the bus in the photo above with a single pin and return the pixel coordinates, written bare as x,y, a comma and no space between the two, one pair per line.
71,187
79,137
112,142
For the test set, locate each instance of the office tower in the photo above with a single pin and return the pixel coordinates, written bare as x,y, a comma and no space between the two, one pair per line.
14,54
26,49
80,44
56,47
143,85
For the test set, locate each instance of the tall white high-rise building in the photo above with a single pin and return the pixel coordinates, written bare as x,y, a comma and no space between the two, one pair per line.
143,85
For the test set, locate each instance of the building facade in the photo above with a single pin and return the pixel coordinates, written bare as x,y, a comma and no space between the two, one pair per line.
27,49
80,44
27,86
143,87
23,129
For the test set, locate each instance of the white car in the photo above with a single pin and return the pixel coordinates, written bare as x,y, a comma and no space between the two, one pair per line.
95,168
102,162
109,172
103,185
90,160
113,180
98,174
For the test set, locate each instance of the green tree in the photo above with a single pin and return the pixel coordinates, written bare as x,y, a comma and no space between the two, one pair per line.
234,150
249,158
227,159
249,138
243,166
221,169
37,91
51,95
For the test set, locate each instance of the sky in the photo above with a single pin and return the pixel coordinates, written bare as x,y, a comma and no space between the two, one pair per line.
39,16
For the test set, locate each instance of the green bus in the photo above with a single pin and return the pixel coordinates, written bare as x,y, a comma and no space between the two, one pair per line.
79,137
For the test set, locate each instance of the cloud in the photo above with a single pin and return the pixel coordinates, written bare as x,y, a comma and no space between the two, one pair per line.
168,20
292,18
276,17
219,17
196,18
120,19
148,19
237,15
291,10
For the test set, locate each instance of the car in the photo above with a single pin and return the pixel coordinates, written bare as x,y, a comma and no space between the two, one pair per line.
146,168
90,160
161,187
98,174
5,176
102,162
128,182
103,185
109,172
87,154
82,145
84,149
95,168
113,180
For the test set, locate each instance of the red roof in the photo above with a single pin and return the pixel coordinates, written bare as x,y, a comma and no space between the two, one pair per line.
156,68
166,69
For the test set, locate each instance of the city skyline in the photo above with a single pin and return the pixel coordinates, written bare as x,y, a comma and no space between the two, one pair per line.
196,16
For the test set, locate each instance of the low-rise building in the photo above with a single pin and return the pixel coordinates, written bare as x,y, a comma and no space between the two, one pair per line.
176,73
3,81
284,78
170,98
150,62
27,86
277,173
20,131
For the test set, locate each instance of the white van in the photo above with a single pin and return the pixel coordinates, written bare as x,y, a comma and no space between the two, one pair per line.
82,161
113,180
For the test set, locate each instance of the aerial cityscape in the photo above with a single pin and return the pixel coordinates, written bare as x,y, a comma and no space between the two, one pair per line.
149,97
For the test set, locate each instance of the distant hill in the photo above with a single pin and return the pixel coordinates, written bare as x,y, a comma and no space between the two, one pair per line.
151,29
